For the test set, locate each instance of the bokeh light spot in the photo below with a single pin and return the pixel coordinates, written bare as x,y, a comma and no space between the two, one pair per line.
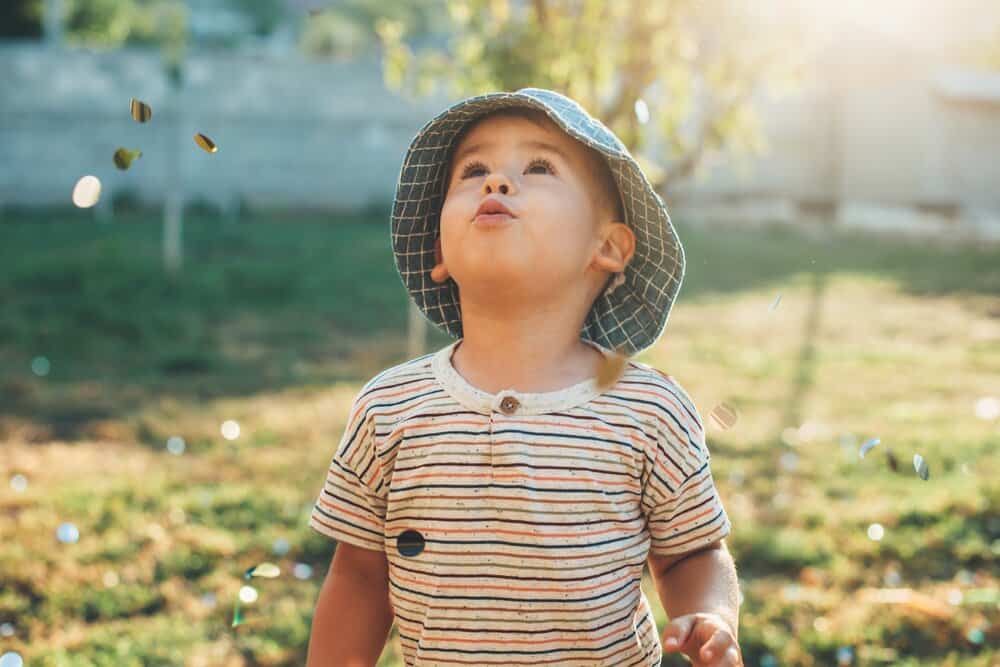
876,532
230,429
87,191
67,533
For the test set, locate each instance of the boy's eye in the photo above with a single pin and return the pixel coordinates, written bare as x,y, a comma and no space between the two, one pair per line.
541,162
472,168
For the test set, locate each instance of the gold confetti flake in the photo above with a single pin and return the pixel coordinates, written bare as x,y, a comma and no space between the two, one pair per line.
611,370
206,144
724,416
87,191
141,112
123,158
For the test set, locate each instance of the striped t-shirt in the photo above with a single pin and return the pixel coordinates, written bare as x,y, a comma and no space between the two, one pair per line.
516,525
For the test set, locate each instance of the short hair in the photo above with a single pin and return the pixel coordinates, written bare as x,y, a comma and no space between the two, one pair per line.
609,195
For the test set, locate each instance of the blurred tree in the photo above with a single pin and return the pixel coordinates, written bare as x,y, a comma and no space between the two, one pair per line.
20,19
349,27
265,15
114,23
684,71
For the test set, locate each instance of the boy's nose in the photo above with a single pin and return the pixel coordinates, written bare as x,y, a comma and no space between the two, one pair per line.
497,182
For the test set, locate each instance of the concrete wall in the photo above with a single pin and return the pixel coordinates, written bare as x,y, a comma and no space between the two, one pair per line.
871,133
289,130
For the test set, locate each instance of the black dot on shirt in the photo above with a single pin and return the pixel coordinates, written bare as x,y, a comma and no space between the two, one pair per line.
410,543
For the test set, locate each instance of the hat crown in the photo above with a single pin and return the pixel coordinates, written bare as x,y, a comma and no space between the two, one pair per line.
578,118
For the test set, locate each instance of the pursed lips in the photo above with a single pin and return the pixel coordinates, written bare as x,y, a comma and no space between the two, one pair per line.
493,209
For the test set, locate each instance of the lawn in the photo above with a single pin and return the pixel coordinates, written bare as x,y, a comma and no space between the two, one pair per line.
275,323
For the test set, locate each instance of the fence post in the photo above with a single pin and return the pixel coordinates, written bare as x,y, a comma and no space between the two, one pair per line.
416,331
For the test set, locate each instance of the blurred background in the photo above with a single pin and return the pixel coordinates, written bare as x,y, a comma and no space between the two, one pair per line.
178,352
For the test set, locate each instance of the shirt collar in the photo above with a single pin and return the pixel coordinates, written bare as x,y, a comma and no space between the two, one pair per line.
529,403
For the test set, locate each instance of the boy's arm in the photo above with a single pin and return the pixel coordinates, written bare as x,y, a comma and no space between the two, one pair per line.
702,580
353,614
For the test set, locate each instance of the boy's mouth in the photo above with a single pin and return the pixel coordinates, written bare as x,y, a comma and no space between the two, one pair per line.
492,209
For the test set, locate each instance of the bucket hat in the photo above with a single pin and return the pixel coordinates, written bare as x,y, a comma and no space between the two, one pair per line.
630,314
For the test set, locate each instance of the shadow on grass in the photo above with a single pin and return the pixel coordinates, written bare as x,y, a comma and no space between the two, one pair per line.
276,303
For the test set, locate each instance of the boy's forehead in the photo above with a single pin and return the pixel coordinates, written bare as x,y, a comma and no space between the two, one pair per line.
528,132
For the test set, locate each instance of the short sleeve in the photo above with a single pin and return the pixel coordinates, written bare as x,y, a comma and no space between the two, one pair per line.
351,505
682,506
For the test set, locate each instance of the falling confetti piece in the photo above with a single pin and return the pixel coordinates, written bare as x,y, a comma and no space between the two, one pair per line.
774,305
865,448
280,546
87,191
410,543
988,408
123,158
789,461
268,570
175,445
611,370
302,571
976,636
845,655
876,532
641,111
40,366
891,460
18,483
11,659
230,429
7,629
206,144
248,594
920,465
141,112
67,533
237,616
724,416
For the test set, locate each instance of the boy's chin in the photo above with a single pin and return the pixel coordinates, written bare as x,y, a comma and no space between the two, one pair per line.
501,281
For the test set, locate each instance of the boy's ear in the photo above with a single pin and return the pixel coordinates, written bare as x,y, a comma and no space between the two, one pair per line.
616,249
439,273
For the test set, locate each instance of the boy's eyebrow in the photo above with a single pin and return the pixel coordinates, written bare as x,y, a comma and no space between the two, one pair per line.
541,145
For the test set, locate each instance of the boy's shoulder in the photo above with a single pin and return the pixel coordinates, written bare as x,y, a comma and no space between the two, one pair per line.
642,372
665,390
398,377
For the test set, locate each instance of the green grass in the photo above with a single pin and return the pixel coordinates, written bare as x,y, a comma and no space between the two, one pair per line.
277,322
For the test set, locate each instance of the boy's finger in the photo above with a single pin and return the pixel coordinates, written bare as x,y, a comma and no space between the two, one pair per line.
714,650
676,634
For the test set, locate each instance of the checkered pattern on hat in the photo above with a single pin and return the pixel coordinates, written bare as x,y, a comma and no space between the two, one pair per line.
630,317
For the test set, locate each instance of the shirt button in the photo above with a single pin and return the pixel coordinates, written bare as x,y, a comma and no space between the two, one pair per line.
509,404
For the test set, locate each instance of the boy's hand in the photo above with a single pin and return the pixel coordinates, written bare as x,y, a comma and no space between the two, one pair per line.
705,638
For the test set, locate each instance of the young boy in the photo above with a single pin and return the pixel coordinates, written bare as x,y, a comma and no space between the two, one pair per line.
493,497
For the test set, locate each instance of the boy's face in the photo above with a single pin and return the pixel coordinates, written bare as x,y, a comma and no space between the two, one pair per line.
548,182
